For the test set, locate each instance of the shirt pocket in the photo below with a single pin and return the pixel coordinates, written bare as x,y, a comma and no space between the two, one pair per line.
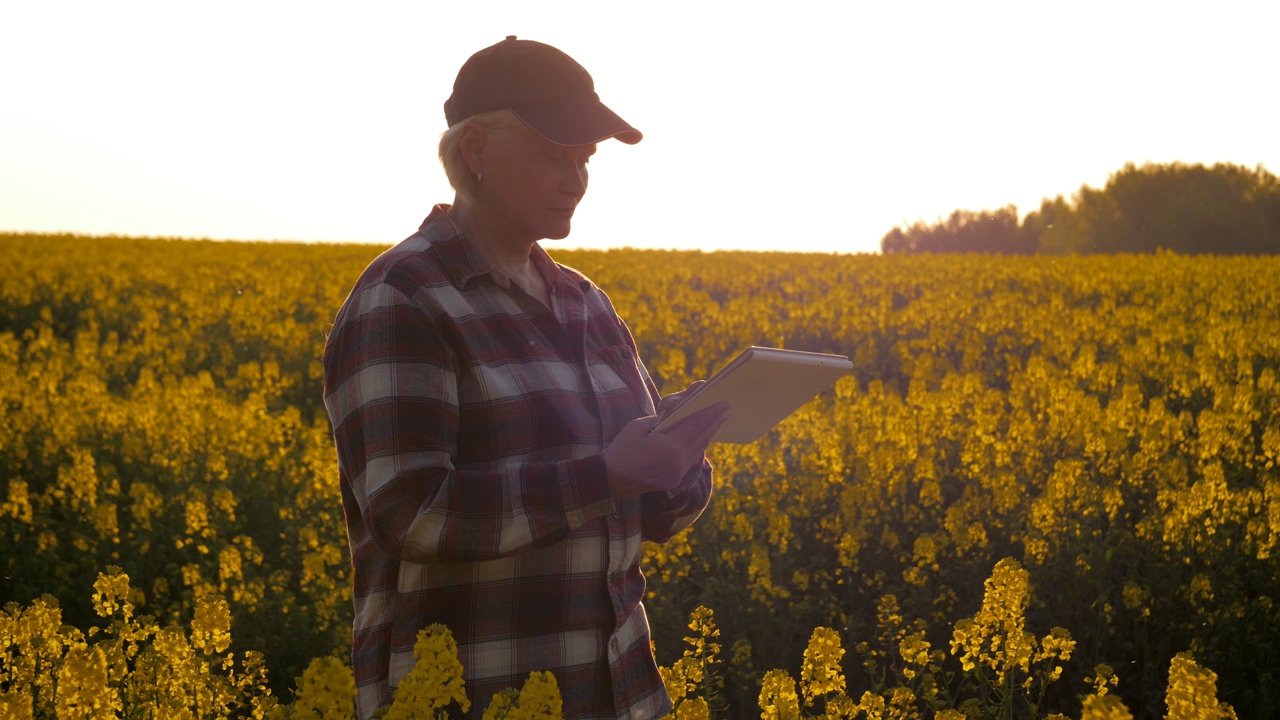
618,382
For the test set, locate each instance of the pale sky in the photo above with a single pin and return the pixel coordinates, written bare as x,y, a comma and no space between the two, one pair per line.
814,126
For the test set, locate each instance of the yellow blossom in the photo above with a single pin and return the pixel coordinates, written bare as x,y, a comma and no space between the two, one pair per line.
1193,692
820,672
112,592
435,681
673,678
83,689
326,691
694,676
902,705
1103,676
1104,707
778,699
16,705
1057,644
211,627
996,637
502,706
539,699
693,709
915,649
872,705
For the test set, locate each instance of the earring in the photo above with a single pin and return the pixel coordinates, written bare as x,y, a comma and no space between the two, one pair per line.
479,177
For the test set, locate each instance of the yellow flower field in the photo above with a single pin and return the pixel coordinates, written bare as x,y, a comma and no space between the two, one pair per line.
1051,488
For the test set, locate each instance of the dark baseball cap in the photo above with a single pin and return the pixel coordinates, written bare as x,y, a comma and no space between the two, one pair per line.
544,87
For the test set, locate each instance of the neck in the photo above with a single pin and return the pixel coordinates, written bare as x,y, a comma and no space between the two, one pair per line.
508,254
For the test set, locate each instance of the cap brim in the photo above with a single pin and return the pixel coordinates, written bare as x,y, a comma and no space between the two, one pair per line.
577,122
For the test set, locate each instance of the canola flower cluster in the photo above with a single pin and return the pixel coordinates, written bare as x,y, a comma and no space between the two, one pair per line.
132,668
162,415
917,683
1110,423
129,667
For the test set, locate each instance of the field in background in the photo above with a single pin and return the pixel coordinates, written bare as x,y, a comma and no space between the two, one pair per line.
1112,423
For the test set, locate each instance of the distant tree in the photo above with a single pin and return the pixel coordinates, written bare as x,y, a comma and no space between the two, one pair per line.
1224,209
1055,229
991,231
896,242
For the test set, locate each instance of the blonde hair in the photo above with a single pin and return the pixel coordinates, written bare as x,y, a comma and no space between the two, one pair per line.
455,166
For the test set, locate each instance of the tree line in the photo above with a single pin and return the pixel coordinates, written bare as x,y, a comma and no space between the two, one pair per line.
1191,209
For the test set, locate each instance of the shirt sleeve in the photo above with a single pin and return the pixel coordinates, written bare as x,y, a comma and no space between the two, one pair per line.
666,513
391,392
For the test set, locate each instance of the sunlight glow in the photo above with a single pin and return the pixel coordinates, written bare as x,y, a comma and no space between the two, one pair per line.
814,126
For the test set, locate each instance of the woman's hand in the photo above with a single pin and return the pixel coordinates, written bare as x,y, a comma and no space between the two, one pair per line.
639,461
669,403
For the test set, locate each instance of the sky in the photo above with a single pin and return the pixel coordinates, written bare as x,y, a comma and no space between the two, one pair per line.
800,125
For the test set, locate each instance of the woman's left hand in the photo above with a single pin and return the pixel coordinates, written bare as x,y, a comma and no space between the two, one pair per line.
640,460
669,403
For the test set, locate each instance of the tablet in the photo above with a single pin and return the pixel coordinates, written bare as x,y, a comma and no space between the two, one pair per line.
763,385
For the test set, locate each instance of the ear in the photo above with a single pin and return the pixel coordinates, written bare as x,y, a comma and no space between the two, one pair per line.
472,145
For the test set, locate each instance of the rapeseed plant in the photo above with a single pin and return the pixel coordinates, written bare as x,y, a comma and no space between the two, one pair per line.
1111,423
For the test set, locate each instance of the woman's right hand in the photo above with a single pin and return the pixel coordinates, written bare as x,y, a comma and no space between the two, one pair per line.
640,461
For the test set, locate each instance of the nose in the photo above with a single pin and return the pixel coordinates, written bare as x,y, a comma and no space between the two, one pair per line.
574,180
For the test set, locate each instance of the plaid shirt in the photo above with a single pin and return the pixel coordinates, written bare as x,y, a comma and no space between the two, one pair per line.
470,421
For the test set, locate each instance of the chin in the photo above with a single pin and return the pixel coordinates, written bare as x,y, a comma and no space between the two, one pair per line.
557,233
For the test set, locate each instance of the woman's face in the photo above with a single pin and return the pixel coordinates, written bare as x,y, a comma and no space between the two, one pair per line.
530,186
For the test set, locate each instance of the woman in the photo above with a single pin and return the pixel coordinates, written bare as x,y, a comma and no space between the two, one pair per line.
492,418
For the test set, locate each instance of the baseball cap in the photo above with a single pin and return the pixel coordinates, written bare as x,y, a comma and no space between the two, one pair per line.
543,86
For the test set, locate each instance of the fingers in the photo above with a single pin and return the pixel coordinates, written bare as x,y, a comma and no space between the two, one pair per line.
640,461
697,430
669,403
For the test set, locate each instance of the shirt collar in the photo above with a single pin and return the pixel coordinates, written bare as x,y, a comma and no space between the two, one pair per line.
462,264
